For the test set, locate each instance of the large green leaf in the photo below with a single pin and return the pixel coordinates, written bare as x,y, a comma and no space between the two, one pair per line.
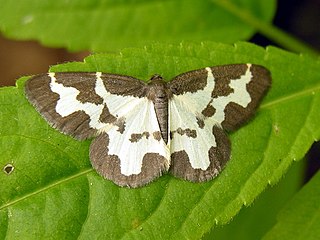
105,25
300,218
53,192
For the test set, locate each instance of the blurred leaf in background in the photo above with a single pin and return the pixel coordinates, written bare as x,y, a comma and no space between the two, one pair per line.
111,25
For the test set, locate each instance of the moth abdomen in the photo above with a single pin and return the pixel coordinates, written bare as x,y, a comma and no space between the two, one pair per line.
161,109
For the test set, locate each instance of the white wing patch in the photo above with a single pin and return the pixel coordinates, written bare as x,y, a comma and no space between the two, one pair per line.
183,110
141,119
182,117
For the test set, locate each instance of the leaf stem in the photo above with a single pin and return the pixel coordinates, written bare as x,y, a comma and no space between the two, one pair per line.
275,34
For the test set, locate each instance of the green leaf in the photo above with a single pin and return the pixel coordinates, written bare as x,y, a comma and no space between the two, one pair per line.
300,218
105,25
54,188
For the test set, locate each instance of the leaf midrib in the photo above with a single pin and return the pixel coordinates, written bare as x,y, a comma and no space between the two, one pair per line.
64,180
309,91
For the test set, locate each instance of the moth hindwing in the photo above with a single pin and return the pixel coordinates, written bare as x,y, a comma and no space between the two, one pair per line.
145,129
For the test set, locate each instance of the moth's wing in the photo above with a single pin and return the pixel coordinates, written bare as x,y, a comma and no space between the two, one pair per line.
129,149
137,154
205,102
73,102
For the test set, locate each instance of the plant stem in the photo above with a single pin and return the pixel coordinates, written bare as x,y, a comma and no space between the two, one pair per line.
275,34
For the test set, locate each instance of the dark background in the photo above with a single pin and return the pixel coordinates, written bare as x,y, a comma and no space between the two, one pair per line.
301,18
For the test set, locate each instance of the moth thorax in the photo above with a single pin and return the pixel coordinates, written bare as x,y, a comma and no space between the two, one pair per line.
157,90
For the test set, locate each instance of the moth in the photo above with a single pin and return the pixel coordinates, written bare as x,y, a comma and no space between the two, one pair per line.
143,129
